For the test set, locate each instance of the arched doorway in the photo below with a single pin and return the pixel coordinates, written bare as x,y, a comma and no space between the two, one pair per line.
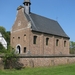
18,49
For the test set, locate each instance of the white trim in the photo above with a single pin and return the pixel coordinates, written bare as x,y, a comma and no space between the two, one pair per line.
28,26
19,30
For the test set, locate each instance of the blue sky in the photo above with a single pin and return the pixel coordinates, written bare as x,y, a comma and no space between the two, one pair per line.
61,10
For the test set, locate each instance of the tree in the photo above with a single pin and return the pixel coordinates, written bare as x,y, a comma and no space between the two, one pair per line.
10,58
1,46
5,34
9,54
2,30
2,49
8,37
72,47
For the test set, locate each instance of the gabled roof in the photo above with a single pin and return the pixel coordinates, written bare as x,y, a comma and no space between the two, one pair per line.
45,25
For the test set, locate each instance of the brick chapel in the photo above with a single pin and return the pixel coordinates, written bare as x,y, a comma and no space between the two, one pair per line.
37,35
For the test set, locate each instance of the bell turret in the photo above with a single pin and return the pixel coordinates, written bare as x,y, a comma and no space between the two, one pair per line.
27,4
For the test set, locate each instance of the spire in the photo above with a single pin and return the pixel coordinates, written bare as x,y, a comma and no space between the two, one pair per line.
27,4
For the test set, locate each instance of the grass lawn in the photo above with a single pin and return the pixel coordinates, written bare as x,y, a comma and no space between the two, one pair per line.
56,70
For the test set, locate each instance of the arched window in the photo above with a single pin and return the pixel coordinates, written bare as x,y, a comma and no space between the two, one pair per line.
18,49
13,39
64,43
18,37
34,39
57,42
24,49
24,37
47,41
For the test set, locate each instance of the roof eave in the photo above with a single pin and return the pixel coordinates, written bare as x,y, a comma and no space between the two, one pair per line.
51,34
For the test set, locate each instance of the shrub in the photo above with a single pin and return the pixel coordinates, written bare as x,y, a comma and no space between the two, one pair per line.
10,59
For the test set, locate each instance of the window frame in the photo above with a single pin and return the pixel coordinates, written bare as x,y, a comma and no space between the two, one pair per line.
47,41
34,39
24,37
64,43
57,42
18,37
24,50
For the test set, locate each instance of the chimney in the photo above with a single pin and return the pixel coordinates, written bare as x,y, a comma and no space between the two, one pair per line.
27,4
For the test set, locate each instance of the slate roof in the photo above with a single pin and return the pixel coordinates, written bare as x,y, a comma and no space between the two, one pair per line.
45,25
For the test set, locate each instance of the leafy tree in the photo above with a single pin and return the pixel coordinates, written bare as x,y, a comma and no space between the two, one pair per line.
8,37
2,49
72,47
1,46
2,30
5,34
10,58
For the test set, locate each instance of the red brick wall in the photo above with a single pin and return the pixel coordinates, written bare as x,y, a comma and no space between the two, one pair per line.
20,28
41,48
20,31
40,62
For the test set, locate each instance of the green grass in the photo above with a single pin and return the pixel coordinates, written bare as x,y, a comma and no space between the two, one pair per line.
56,70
